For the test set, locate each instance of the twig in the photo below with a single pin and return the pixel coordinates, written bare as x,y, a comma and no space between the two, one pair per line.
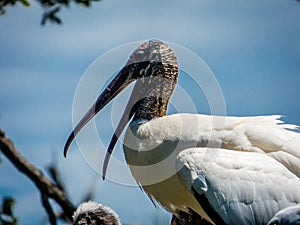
45,186
55,176
48,208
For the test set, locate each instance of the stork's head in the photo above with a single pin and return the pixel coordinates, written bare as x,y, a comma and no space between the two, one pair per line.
92,213
154,67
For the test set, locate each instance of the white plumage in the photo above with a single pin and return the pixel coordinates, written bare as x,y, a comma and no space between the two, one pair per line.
265,134
93,213
243,187
250,171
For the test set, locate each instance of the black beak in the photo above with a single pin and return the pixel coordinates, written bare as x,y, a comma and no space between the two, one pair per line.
122,80
126,117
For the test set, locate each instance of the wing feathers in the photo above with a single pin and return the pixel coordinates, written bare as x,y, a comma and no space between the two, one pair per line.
242,187
264,134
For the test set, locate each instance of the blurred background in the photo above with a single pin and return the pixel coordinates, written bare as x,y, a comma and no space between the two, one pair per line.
252,48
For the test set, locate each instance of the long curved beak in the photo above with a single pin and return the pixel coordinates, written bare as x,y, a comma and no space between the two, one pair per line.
126,117
123,79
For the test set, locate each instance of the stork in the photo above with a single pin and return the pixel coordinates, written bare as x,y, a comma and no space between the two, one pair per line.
93,213
228,170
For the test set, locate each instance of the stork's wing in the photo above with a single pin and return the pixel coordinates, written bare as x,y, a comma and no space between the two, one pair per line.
242,187
267,134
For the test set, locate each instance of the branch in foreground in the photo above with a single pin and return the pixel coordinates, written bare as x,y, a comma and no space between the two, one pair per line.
48,190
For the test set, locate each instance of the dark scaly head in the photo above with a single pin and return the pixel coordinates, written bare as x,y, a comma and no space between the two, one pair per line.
158,71
154,67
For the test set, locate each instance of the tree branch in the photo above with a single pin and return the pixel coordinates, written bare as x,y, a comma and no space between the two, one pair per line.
45,186
51,8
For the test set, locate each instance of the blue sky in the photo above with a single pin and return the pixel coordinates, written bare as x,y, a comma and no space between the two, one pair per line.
252,47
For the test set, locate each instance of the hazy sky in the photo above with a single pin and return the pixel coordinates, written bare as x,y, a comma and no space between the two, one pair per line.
252,48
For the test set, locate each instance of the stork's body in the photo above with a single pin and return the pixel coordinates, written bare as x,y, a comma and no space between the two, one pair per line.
229,170
236,159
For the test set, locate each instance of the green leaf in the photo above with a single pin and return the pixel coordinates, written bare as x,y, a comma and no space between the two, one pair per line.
25,3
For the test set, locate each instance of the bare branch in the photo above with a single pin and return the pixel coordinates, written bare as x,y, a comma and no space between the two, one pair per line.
45,186
56,176
48,208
